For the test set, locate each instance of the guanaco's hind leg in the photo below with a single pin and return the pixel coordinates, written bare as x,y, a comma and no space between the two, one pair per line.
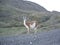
35,30
28,30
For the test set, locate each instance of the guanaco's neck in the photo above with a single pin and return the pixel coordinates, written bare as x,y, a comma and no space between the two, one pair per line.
24,21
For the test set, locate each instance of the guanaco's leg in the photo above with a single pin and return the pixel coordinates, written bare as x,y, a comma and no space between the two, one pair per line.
28,30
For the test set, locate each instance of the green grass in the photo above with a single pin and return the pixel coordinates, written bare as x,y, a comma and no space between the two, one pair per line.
16,31
22,30
12,31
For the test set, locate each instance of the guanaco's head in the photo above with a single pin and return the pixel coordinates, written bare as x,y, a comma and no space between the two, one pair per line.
24,18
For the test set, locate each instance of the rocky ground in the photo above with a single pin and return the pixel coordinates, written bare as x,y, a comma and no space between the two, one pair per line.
45,38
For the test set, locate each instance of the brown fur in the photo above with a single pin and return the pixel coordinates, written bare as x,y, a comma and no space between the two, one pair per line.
30,23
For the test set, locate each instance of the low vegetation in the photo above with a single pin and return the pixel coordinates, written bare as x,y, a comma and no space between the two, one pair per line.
11,21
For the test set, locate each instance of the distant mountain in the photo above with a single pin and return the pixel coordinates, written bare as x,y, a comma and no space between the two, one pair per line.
25,5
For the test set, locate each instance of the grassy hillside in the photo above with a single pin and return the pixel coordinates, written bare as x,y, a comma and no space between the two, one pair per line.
24,5
11,21
11,16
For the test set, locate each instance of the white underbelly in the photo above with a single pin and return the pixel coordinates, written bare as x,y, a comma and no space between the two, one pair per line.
33,25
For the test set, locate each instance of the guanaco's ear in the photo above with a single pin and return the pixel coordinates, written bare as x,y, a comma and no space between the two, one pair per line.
24,17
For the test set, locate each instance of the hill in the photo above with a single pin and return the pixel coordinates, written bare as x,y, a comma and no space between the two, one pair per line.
11,12
25,5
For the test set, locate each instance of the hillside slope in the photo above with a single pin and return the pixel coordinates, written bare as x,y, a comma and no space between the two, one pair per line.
25,5
11,12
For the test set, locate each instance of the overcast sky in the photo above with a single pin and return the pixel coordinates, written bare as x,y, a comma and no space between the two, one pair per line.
50,5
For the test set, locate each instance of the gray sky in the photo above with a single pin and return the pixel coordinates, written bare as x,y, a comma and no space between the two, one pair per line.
50,5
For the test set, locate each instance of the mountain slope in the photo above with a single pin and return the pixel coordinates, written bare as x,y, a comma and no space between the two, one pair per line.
25,5
11,12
